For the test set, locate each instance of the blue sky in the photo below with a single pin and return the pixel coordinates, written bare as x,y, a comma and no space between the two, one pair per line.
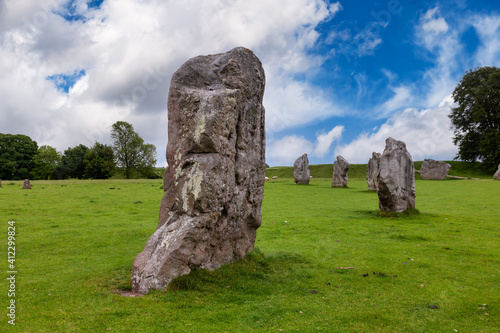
342,76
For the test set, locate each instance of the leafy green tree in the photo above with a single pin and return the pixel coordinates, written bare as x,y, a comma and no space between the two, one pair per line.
99,162
134,156
72,163
16,156
146,169
45,162
476,119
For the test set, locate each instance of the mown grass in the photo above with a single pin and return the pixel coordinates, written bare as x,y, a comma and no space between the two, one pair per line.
325,260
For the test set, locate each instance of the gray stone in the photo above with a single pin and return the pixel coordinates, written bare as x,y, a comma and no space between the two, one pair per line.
340,169
396,179
497,174
372,171
214,182
432,169
27,184
301,170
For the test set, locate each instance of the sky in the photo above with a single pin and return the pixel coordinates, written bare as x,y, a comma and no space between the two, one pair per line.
341,76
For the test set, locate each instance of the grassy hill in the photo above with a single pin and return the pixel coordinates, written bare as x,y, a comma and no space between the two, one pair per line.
358,171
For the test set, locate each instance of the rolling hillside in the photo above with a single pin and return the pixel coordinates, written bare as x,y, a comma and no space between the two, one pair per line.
358,171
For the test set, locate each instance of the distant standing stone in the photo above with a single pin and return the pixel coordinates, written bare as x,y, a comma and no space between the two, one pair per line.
340,169
432,169
214,182
301,172
27,184
372,171
0,183
396,179
497,174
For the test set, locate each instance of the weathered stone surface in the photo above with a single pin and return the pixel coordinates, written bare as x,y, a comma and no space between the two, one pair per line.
214,182
432,169
497,174
340,168
27,184
372,170
301,170
396,179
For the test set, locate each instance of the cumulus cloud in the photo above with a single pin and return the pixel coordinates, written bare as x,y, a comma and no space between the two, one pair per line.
426,132
286,150
325,140
128,51
402,98
291,104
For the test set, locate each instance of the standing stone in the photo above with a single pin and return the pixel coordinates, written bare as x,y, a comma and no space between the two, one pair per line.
0,183
301,170
340,168
27,185
214,182
497,174
432,169
372,171
396,179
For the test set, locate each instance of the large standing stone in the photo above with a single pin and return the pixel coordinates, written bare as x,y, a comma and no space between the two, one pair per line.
214,182
301,172
27,184
340,168
372,171
497,174
432,169
396,179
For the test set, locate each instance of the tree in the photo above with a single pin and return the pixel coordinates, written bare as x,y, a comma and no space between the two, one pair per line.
131,153
476,119
45,162
72,163
99,162
16,156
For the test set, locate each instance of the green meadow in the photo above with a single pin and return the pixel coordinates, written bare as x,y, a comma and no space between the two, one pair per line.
325,260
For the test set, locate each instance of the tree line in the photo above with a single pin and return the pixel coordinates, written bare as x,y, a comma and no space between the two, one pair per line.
22,158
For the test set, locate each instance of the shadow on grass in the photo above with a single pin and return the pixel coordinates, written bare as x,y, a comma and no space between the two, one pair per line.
406,214
411,215
293,184
256,274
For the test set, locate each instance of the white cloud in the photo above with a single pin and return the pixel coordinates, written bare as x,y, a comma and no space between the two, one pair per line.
130,48
325,140
436,26
488,30
445,47
291,104
286,150
433,23
402,98
426,132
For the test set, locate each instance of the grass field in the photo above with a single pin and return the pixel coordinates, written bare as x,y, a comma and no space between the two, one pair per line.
325,261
